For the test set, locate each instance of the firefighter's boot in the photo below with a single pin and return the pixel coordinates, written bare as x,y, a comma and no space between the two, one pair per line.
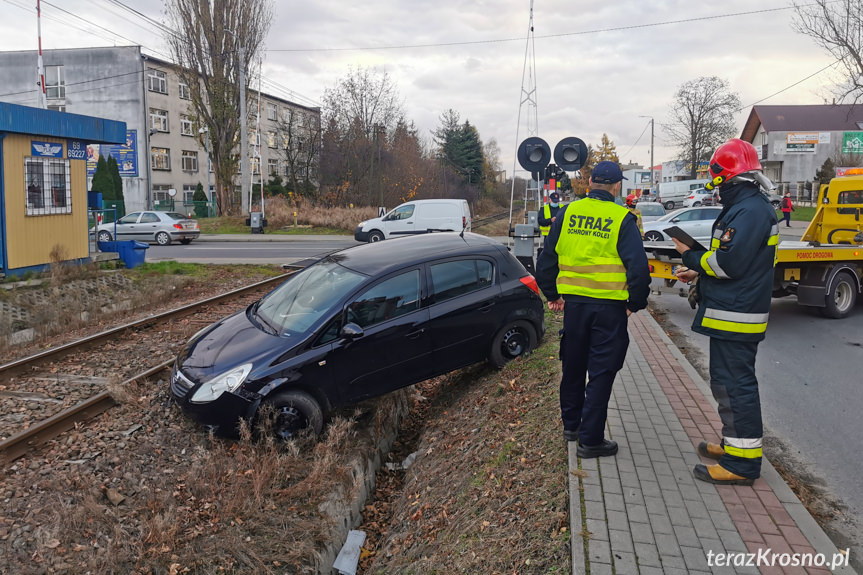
718,475
710,450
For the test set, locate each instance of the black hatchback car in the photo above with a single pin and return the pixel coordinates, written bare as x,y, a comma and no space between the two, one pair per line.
358,324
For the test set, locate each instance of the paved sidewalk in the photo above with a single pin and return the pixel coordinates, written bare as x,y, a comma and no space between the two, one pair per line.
642,512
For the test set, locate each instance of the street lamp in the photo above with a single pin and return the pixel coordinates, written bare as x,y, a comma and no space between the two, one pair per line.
201,131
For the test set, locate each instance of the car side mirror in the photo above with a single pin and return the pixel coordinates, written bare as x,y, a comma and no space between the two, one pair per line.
675,220
351,331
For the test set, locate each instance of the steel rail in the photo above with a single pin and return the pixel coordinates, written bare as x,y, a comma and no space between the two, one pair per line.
23,363
21,443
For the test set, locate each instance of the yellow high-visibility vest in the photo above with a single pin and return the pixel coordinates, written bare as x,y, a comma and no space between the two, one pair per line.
546,213
588,262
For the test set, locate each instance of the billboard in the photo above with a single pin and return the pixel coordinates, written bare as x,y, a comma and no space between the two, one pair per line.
125,154
852,143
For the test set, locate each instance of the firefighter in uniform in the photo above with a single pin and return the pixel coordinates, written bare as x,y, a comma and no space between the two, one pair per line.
548,213
735,284
630,205
594,268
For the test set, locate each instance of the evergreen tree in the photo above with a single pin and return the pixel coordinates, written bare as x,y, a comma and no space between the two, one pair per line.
460,147
607,151
827,171
200,199
102,181
114,170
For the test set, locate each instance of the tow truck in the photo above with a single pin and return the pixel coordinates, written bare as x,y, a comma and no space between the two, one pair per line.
824,268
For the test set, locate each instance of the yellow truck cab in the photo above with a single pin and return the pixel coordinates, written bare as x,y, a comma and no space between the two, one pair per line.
824,269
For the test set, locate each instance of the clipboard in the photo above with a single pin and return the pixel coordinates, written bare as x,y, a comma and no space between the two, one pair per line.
687,240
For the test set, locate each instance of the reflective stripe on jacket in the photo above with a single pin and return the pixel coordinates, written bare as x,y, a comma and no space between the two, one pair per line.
735,282
588,261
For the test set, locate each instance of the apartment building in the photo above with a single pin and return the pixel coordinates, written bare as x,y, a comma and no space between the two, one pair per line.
165,155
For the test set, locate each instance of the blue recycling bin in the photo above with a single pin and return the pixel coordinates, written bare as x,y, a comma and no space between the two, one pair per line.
132,253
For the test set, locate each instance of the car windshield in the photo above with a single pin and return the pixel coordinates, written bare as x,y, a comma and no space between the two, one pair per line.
297,305
650,209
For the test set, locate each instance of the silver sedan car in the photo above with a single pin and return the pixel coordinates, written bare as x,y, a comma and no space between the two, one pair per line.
697,222
151,226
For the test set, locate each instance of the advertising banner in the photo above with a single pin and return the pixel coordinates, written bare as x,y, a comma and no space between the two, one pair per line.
125,154
852,143
801,141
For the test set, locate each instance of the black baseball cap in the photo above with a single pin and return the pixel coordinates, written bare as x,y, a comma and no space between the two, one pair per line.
607,172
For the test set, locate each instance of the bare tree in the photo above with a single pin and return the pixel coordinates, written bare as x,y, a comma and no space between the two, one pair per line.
702,118
206,41
837,26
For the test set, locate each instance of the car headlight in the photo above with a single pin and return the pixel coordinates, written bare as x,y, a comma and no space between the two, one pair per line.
362,224
228,381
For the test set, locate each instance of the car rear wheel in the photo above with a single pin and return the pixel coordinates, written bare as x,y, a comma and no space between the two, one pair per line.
513,340
375,236
104,236
841,296
293,412
653,236
696,205
163,239
669,205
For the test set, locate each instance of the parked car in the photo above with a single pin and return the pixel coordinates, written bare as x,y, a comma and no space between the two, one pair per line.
152,226
701,197
416,217
774,199
650,211
672,194
360,323
697,222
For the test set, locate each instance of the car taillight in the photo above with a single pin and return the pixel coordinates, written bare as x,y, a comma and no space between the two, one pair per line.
178,226
463,222
692,197
530,282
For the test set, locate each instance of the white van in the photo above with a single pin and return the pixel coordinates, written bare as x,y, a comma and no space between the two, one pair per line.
416,217
672,194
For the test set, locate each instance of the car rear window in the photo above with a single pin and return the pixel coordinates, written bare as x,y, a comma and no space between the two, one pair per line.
452,279
177,215
651,209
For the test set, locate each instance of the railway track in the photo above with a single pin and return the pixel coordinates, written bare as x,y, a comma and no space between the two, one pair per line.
48,393
489,219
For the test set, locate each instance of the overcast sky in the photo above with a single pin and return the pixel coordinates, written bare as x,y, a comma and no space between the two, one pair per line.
600,66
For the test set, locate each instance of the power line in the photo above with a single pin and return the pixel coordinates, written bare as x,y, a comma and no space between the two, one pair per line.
636,141
562,35
830,65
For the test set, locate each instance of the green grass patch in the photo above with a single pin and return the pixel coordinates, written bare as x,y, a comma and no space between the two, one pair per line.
171,268
803,214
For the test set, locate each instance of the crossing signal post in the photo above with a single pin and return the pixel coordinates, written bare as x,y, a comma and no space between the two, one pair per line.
535,155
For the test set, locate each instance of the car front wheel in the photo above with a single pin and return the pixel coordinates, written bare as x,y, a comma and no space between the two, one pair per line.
375,236
513,340
163,239
293,412
653,236
104,236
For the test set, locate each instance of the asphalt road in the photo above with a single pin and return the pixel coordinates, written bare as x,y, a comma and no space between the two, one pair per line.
244,250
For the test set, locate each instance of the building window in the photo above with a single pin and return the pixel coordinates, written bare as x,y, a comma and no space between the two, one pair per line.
157,81
271,139
49,189
272,112
160,158
57,107
159,119
185,92
190,161
186,126
55,83
160,194
188,193
272,167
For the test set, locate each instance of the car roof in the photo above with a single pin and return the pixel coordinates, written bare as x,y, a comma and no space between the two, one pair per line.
381,257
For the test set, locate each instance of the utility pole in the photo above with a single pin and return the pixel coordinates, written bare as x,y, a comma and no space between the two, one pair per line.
41,100
651,149
244,136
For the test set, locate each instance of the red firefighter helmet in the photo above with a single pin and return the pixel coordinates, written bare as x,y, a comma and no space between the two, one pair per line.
630,201
731,159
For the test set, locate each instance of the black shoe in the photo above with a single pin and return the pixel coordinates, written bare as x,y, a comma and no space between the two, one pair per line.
718,475
570,435
604,449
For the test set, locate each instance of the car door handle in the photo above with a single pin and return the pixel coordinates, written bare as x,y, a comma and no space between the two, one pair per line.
416,333
486,306
409,222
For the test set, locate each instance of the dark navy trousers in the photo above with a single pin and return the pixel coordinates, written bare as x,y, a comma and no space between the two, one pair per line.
735,388
594,344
